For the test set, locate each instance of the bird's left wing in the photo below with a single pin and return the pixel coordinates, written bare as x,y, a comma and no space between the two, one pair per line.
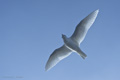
57,56
83,26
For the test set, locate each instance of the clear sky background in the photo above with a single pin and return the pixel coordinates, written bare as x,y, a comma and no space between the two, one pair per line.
30,30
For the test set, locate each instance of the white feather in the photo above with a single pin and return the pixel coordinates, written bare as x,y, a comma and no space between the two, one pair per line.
57,56
70,43
83,27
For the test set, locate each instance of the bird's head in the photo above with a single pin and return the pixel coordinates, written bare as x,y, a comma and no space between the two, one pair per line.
64,36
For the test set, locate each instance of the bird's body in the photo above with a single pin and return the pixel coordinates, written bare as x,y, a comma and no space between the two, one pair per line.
72,44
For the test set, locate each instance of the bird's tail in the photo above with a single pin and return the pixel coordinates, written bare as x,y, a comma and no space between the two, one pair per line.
82,54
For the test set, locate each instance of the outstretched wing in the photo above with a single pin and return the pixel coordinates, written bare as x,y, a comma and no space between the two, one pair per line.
57,56
83,27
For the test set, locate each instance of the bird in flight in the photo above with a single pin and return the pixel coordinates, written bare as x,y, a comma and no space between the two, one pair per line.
72,43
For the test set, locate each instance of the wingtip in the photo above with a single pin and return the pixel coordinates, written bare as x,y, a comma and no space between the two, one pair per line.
97,10
46,68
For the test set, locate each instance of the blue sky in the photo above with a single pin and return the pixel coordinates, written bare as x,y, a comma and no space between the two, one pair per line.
30,30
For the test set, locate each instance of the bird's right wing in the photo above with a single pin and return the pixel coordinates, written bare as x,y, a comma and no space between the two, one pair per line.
57,56
83,26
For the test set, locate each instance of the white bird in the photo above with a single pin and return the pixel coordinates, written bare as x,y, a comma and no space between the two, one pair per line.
72,44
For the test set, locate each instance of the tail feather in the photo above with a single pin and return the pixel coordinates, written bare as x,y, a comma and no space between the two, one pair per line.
82,54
